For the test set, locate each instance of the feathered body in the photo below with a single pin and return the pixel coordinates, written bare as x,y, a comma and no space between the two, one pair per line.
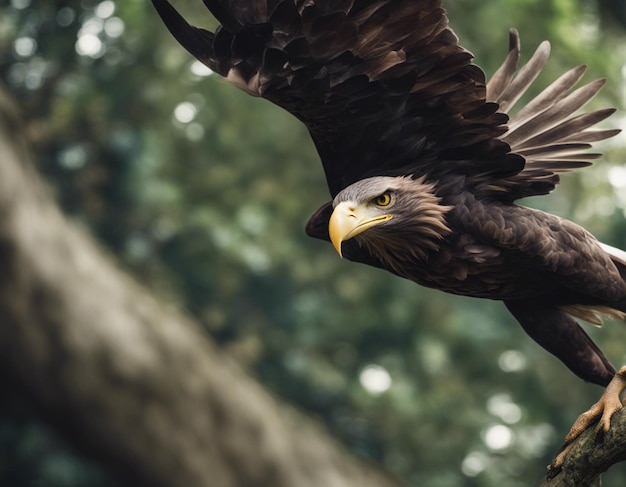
425,160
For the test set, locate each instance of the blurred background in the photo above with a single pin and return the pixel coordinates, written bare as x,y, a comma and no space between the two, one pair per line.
202,192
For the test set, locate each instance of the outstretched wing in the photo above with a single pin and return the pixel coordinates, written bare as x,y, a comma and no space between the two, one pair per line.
546,131
382,85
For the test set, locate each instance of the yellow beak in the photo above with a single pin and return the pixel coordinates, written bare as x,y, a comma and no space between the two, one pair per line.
348,220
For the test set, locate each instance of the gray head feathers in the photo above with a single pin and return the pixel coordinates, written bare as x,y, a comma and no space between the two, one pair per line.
418,223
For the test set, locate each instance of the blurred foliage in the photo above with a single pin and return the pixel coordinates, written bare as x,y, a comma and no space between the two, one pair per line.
202,193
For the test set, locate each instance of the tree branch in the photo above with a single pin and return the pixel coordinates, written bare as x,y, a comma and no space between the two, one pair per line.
129,379
589,457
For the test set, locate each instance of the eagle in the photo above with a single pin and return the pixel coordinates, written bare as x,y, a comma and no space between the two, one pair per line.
426,161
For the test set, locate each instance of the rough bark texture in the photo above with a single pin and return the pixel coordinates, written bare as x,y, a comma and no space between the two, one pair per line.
126,378
591,456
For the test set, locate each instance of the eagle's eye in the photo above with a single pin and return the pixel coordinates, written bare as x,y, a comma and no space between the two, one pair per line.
383,200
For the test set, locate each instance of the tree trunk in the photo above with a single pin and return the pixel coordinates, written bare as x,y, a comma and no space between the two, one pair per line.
132,381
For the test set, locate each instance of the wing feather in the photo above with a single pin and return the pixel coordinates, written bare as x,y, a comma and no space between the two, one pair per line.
546,131
383,86
548,118
517,86
385,89
503,76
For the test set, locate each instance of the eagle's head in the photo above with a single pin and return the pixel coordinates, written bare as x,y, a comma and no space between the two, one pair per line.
398,219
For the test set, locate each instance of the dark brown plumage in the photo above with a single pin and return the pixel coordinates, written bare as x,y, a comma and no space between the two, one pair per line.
425,160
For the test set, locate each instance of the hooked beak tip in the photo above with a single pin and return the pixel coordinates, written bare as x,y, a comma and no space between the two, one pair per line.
340,224
347,222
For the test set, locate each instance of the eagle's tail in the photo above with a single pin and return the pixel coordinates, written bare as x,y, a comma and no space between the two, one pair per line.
594,314
618,257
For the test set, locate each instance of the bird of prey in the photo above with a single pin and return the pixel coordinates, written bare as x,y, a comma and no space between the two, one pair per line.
425,160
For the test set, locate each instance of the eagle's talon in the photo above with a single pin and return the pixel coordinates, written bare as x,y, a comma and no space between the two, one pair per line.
557,464
601,412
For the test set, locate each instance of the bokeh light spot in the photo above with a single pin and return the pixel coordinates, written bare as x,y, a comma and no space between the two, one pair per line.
105,9
617,177
25,46
375,379
185,112
512,361
89,45
65,16
498,437
114,27
502,406
200,69
474,463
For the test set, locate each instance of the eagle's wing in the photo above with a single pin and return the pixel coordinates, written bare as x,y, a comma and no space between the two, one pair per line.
546,131
382,85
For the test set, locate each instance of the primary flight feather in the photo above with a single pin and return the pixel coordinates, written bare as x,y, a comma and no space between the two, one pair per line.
424,159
